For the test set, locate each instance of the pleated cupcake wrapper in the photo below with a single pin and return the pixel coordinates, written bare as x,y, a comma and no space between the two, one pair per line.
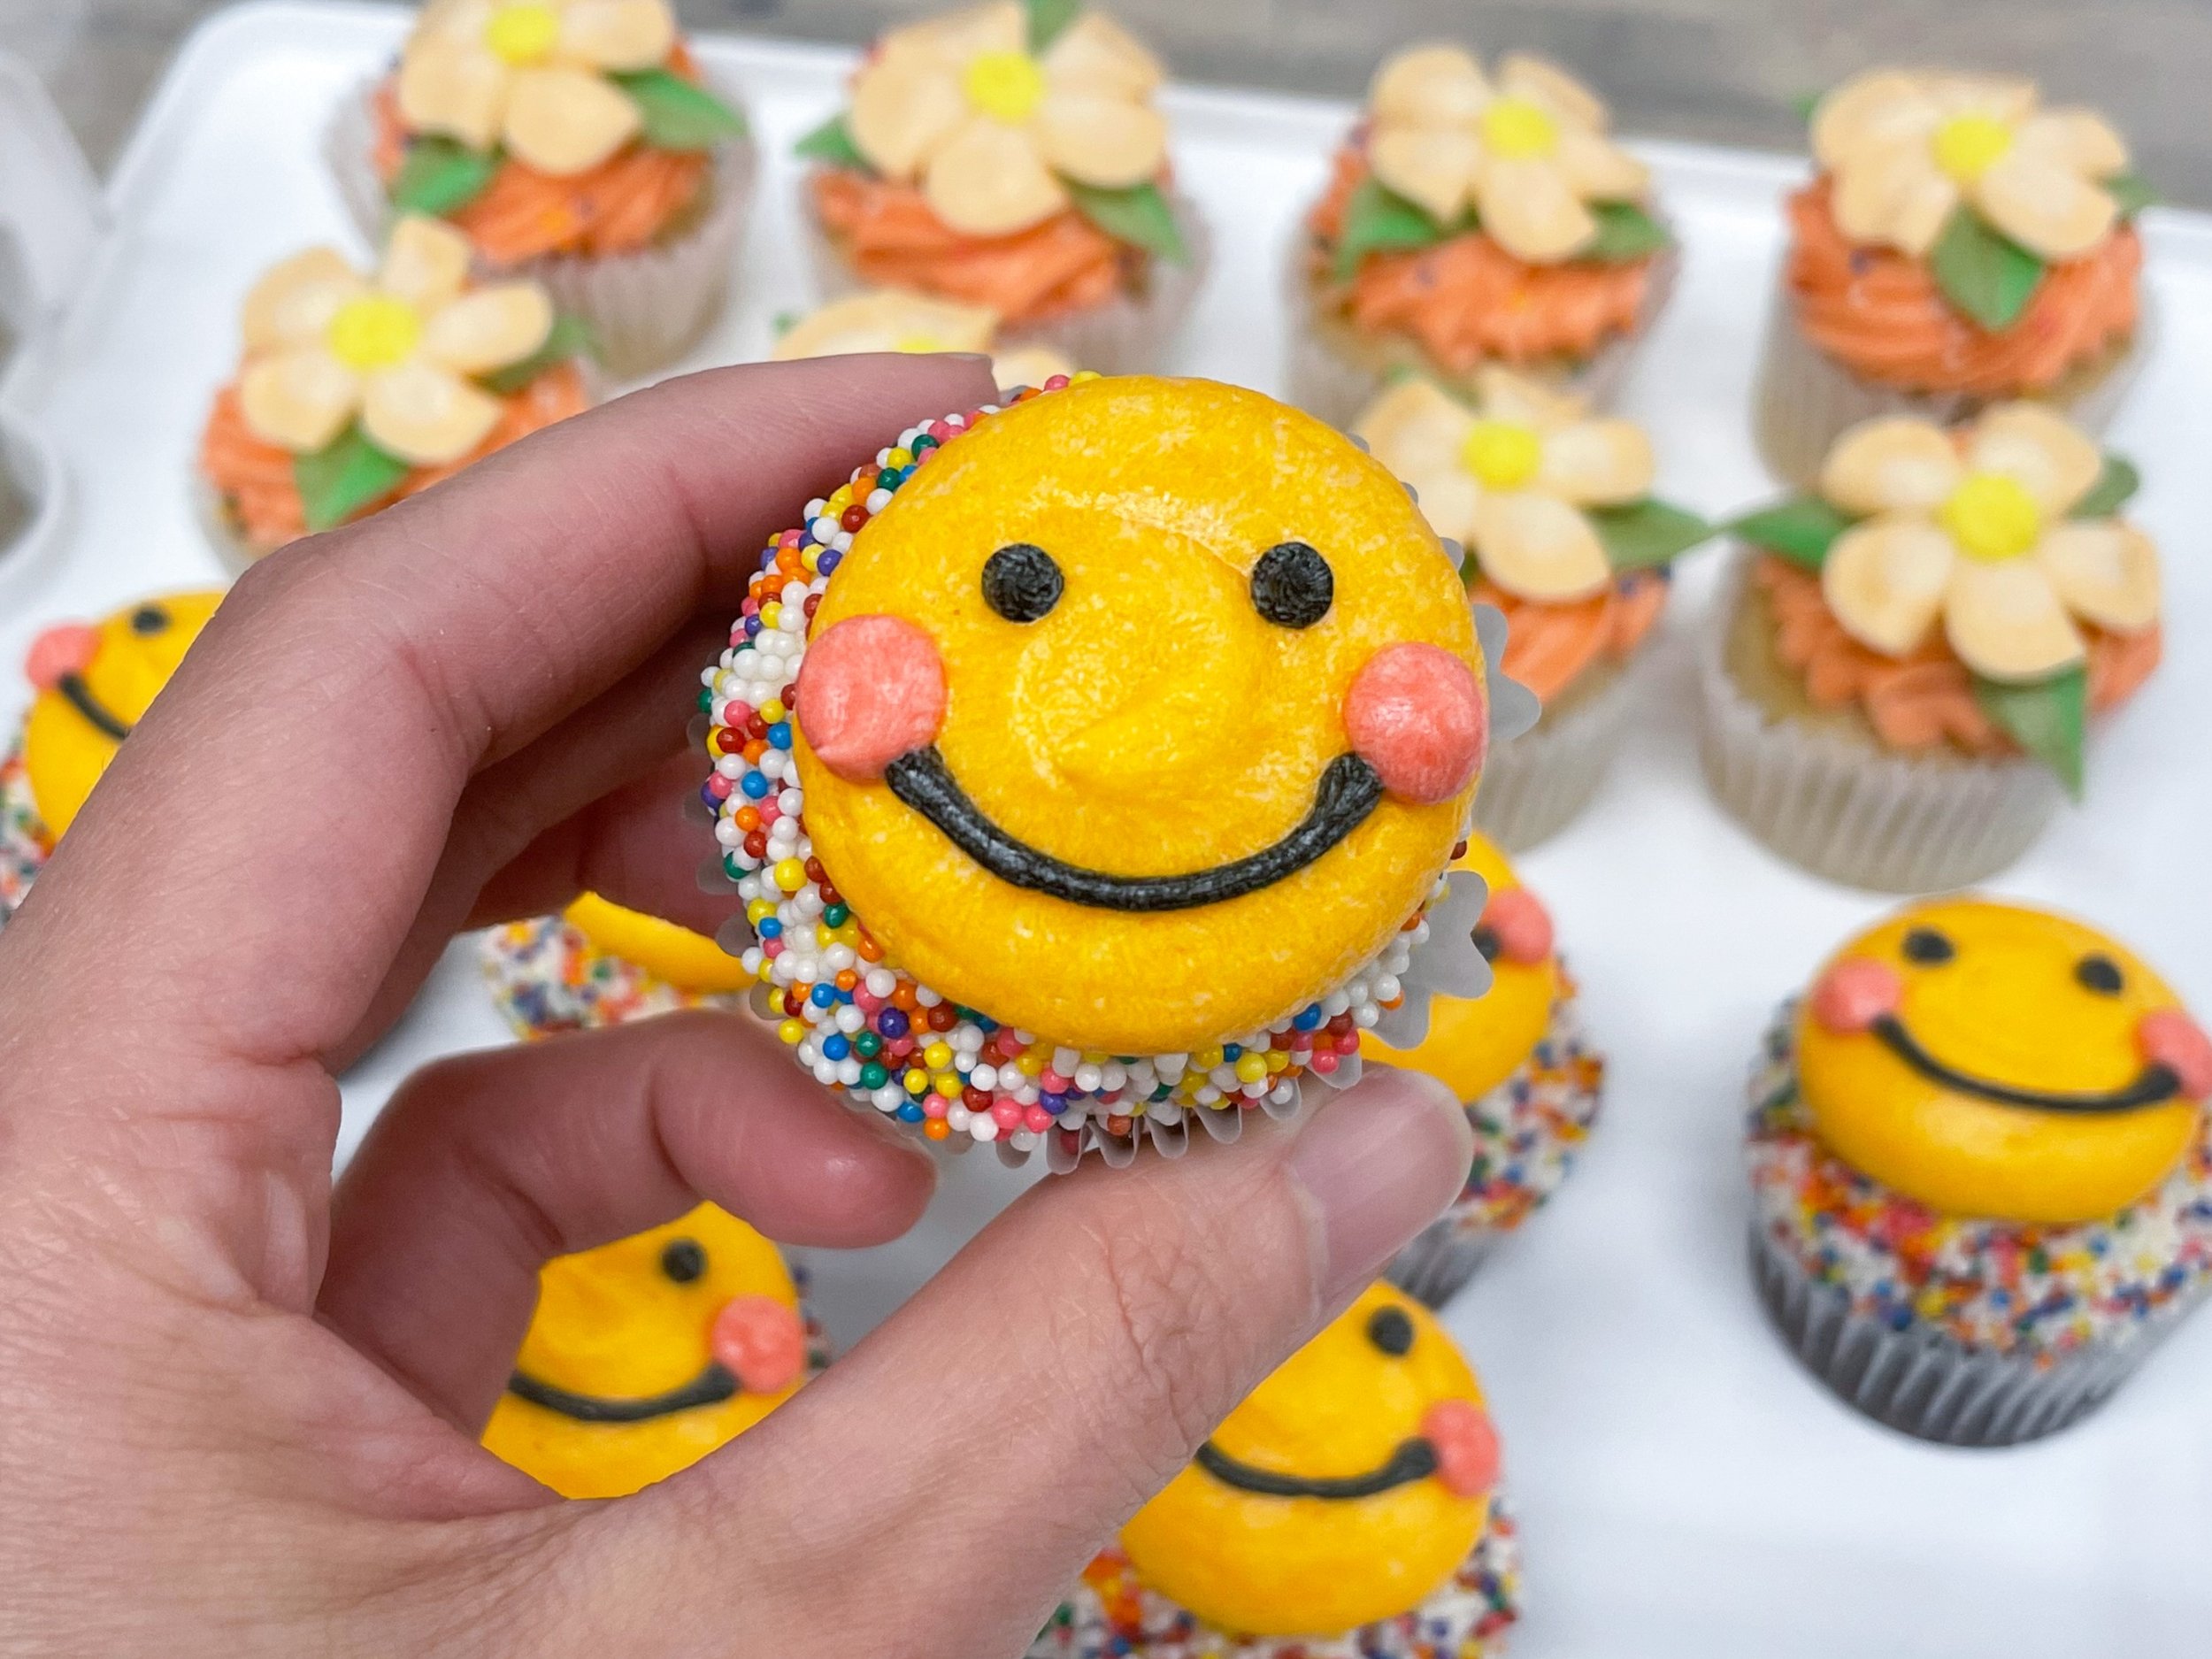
646,308
1535,785
1806,399
1334,386
1927,1383
1853,812
1441,1259
1129,334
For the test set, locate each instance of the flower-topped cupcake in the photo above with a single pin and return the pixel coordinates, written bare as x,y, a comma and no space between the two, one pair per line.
1564,536
1949,599
1094,764
597,964
573,138
1473,222
1010,156
886,319
1960,245
358,389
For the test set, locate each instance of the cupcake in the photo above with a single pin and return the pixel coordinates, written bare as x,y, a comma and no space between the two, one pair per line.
1011,156
647,1354
354,391
1469,224
1959,247
1345,1510
597,964
1981,1181
574,142
1518,1058
91,686
887,319
1899,689
1563,536
1099,761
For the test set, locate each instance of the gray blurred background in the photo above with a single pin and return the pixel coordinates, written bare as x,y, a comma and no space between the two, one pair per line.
1727,70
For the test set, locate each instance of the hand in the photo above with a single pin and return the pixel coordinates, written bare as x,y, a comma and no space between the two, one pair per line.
241,1407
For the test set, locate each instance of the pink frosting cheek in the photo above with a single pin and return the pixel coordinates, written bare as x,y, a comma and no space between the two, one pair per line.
68,649
1522,923
1856,993
2171,1038
1416,714
1466,1447
760,1343
870,689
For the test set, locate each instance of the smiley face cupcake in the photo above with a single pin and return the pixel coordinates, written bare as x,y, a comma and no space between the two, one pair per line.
1345,1510
597,964
1981,1181
887,319
647,1354
93,684
1100,761
1517,1057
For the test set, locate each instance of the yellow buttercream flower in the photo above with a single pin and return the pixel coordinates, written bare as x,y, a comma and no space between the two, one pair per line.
991,130
1511,477
1972,528
325,344
1528,154
1906,149
532,75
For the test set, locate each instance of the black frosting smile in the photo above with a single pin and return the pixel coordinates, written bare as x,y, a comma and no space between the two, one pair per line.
1414,1460
2156,1084
710,1387
1349,791
96,713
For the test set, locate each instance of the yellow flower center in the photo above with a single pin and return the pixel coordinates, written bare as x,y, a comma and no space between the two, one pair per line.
1513,129
921,344
523,33
1967,146
1992,518
1501,454
1005,86
374,332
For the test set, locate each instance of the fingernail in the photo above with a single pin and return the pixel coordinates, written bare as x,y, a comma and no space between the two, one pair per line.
1377,1164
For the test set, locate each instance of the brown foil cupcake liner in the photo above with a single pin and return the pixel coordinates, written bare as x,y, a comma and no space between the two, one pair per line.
1535,785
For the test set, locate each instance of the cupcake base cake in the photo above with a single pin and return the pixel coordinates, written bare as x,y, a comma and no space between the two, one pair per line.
1538,783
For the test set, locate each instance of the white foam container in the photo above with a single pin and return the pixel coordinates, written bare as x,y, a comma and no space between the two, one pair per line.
1684,1492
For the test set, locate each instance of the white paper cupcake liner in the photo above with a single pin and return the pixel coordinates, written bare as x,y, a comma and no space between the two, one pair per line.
1806,399
1130,335
1332,385
646,308
1533,786
1849,810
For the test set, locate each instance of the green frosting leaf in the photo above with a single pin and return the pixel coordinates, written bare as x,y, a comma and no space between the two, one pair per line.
440,176
1646,532
1982,273
570,337
1377,218
1140,216
336,482
2049,718
1806,103
833,142
1047,18
1625,233
679,114
2114,486
2132,191
1801,531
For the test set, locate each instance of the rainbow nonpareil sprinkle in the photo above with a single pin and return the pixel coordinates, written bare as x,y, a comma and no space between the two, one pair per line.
1528,1129
544,976
22,841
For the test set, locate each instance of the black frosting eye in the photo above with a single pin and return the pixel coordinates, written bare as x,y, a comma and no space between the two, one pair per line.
2099,974
148,619
1486,941
684,1260
1389,1330
1928,948
1293,585
1021,582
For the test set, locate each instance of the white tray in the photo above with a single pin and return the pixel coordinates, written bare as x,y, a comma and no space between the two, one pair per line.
1686,1491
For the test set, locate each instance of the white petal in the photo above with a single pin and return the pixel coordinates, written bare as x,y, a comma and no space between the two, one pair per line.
2077,139
1529,210
2005,620
2007,98
1597,464
458,91
298,399
1101,140
1433,167
618,34
564,122
988,181
2048,209
294,301
461,20
1884,580
1523,400
887,320
959,38
425,262
492,328
1417,431
1892,464
1095,54
1537,546
1429,86
2032,442
2106,571
905,105
426,415
1875,108
1599,170
1552,90
1893,196
1028,365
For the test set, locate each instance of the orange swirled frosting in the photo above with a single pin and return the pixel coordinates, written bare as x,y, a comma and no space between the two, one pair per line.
1549,646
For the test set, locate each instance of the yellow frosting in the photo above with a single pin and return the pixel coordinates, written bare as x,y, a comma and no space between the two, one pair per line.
613,1325
140,646
2008,1007
673,954
1474,1044
1153,722
1308,1565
